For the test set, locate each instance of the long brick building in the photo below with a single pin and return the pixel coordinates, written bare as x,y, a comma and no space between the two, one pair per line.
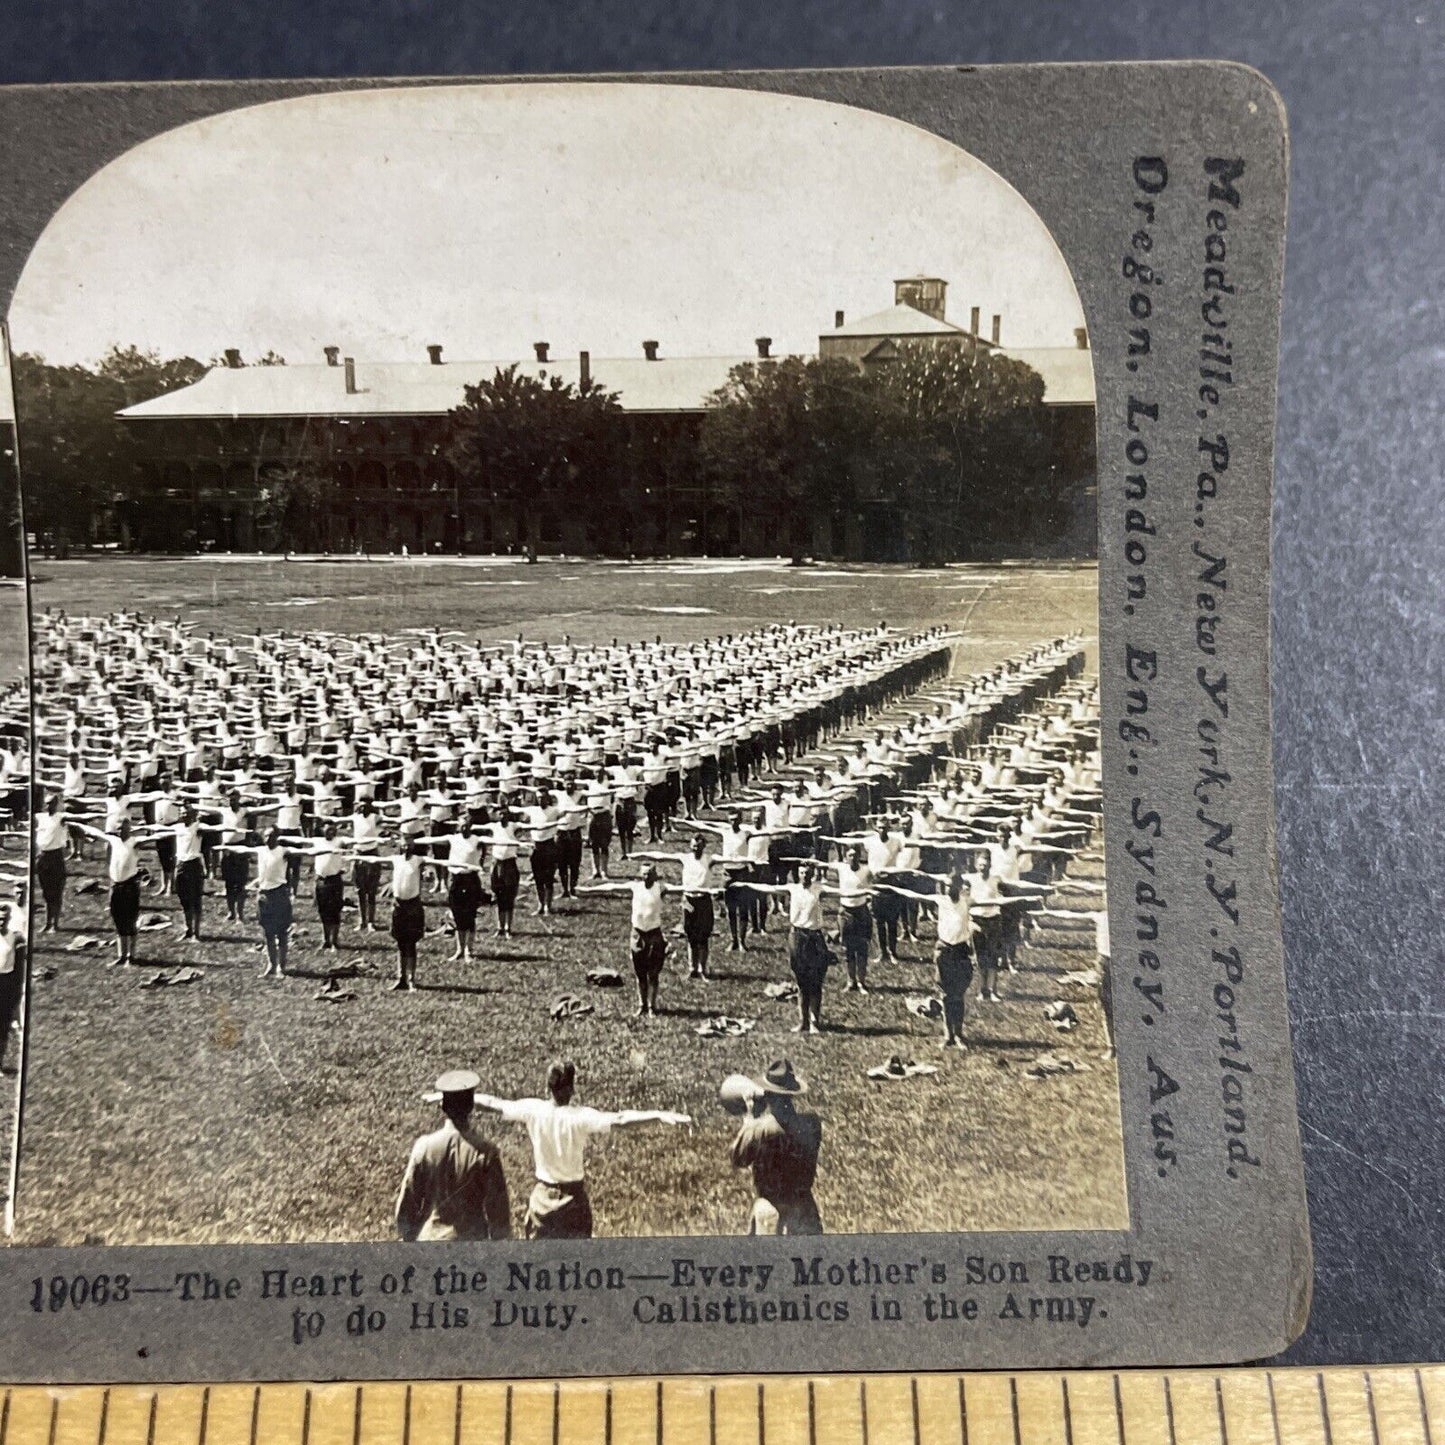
382,433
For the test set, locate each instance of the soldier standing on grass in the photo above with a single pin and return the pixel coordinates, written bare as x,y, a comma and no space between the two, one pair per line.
559,1207
647,946
781,1146
454,1187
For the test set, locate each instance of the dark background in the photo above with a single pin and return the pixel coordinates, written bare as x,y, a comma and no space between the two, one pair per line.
1358,616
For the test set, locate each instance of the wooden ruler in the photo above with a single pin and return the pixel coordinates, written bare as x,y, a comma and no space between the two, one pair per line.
1392,1405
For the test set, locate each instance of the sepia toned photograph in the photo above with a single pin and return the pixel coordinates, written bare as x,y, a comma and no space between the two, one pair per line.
564,654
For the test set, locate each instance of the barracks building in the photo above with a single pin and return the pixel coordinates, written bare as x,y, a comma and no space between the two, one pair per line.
382,432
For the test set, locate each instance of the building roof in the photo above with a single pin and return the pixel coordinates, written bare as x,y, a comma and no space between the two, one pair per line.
898,321
418,388
1068,372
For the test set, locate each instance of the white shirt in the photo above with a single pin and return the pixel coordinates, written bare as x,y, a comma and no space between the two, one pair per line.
954,923
464,852
50,832
328,860
985,895
188,842
853,884
405,878
559,1135
10,940
696,874
270,868
805,907
646,906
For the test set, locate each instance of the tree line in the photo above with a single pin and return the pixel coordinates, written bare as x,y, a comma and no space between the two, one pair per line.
949,444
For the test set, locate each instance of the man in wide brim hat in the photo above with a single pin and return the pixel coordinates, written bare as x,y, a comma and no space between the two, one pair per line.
779,1080
780,1145
454,1187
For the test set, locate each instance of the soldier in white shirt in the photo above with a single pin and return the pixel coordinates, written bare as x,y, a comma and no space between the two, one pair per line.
52,839
559,1130
12,974
808,953
328,863
366,872
698,912
954,952
408,913
647,946
190,884
123,869
273,891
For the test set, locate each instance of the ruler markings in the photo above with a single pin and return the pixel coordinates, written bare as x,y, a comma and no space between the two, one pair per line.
1389,1405
1324,1409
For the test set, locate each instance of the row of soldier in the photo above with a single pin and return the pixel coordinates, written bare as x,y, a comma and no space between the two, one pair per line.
1031,794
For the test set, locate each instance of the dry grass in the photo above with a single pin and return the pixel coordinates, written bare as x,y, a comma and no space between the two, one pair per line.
240,1110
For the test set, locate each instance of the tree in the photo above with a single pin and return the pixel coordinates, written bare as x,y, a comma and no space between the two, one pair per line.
965,434
78,460
517,437
795,436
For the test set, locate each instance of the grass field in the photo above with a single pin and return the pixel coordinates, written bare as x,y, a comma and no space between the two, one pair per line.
239,1110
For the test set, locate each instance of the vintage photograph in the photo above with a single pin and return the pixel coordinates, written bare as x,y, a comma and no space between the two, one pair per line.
565,670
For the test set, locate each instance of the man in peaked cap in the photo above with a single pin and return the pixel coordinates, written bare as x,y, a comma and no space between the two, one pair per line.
454,1187
780,1144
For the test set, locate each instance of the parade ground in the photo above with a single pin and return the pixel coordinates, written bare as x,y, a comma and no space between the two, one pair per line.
232,1108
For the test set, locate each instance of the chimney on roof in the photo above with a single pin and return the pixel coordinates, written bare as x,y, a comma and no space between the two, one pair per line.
764,345
435,353
837,318
349,363
584,369
1081,337
540,347
233,358
997,323
922,293
973,320
649,350
333,355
